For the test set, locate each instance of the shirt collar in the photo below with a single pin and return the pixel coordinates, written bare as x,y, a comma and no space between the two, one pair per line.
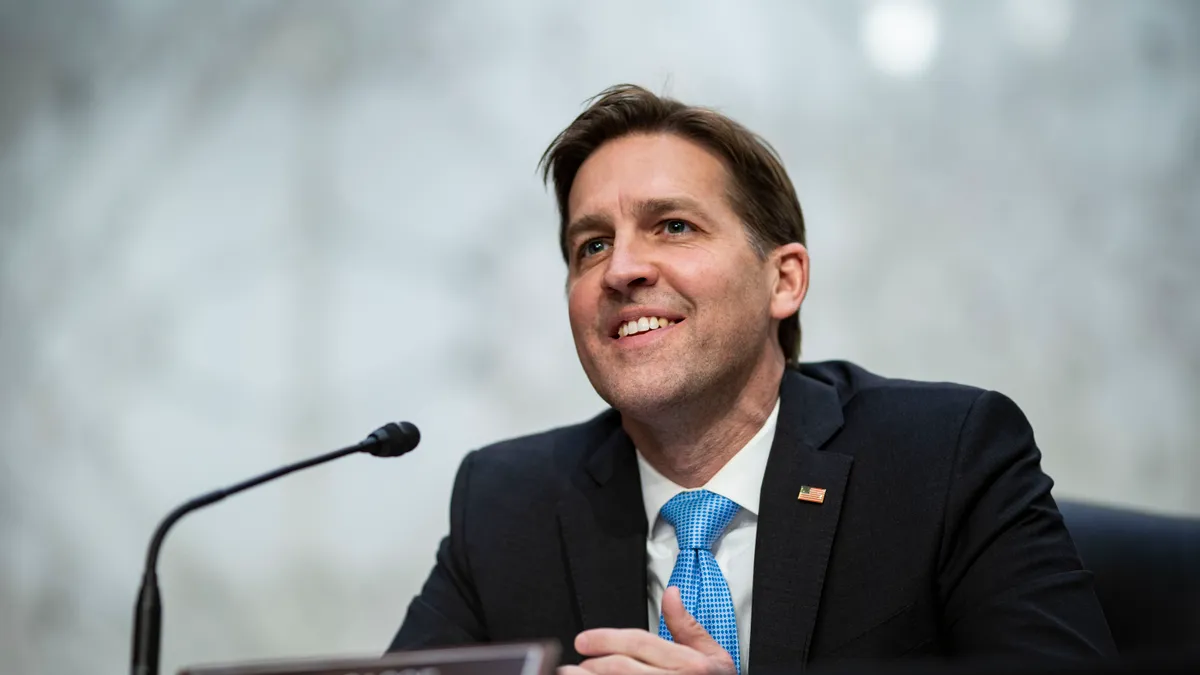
740,480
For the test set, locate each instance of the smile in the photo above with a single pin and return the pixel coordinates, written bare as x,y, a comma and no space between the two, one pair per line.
642,325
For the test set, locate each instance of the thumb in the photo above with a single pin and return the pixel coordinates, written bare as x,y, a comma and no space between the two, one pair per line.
684,628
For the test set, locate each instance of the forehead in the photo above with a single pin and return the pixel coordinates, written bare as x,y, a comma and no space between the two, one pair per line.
632,169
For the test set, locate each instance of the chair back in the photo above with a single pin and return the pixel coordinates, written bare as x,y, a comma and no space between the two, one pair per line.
1147,574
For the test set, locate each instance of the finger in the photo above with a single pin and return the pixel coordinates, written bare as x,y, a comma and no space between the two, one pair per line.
634,643
684,627
570,670
617,664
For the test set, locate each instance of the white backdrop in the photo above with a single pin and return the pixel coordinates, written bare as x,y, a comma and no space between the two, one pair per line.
234,234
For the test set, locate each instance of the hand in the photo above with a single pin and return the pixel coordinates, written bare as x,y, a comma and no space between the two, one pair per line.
631,651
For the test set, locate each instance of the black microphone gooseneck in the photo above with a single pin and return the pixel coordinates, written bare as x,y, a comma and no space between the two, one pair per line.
390,440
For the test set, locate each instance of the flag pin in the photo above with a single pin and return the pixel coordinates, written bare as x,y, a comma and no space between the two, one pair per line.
811,494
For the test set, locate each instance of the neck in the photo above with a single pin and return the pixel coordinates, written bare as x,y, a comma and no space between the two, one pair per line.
692,441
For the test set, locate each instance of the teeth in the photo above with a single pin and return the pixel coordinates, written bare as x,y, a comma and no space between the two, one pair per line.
643,324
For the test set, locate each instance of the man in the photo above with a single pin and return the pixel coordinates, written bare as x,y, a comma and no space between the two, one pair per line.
734,508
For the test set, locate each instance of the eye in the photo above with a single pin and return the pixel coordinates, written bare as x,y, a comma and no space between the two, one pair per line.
591,247
676,226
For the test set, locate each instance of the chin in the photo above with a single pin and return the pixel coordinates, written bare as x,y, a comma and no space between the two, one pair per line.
639,397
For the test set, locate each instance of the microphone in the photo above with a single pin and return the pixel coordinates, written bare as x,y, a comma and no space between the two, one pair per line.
390,440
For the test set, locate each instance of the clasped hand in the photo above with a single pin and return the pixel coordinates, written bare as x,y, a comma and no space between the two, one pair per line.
632,651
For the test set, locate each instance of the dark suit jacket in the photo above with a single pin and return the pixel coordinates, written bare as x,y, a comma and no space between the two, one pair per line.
937,536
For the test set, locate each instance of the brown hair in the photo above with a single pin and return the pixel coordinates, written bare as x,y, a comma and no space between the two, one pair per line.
760,191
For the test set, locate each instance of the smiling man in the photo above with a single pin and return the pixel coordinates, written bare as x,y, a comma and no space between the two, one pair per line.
735,507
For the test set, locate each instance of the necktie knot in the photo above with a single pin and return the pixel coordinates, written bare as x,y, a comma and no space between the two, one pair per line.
699,517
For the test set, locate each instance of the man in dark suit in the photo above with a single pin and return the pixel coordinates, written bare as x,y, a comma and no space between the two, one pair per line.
735,508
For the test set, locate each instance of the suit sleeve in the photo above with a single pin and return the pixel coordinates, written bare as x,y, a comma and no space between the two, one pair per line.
1010,580
447,610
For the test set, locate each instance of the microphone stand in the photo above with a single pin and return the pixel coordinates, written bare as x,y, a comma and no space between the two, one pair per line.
391,440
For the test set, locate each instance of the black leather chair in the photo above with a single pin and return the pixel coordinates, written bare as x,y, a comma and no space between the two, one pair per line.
1147,571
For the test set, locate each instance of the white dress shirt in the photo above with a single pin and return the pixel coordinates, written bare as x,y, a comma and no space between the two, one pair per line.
740,480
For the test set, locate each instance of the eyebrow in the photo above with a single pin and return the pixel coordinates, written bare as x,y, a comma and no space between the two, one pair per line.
649,208
644,209
588,223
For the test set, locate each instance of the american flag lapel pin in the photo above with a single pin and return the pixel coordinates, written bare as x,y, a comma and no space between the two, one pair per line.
811,494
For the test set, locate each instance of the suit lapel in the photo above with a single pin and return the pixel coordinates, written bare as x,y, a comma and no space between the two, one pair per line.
795,537
604,532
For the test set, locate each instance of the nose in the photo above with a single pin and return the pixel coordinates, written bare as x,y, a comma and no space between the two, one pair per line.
629,266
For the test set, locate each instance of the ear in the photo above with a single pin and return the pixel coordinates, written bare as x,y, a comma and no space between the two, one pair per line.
790,281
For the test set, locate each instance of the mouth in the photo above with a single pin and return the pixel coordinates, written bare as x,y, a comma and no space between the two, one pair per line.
631,328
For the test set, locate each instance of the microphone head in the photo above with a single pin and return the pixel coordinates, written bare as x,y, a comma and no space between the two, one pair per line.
392,440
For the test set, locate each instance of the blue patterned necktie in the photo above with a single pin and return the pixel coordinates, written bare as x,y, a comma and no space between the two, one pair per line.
699,517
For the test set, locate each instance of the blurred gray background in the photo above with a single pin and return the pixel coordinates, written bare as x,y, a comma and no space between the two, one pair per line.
234,234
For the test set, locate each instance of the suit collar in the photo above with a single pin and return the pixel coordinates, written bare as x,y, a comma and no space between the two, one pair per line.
604,536
611,453
811,409
795,537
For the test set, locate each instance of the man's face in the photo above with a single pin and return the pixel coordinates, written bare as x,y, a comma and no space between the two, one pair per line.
651,236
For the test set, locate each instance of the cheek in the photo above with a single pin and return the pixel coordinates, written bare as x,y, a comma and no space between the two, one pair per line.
702,275
581,307
692,272
732,296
